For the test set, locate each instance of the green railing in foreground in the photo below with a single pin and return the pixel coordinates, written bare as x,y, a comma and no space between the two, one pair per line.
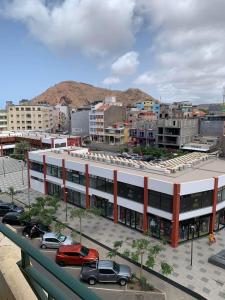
39,282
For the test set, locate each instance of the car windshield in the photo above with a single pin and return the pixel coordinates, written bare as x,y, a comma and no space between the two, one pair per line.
116,267
84,251
61,237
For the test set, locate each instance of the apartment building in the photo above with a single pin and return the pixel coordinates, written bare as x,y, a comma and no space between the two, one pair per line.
117,134
30,117
174,133
164,200
103,115
3,120
143,132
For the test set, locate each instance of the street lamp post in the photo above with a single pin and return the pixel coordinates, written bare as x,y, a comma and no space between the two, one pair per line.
192,230
65,193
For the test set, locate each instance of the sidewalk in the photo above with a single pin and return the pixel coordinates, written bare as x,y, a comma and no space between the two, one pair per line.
202,277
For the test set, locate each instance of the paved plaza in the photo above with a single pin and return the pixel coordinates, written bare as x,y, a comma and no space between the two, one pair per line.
202,277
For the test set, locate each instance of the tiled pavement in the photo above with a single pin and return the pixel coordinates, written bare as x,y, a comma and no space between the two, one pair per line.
202,277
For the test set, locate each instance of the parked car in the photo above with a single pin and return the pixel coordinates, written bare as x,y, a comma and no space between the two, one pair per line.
35,229
105,271
9,207
75,255
54,240
13,218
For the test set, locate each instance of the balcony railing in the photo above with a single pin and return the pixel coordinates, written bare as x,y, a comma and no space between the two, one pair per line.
40,283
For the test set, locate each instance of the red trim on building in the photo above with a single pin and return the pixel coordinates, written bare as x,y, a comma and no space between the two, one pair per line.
87,179
213,216
52,142
145,220
44,171
115,193
176,211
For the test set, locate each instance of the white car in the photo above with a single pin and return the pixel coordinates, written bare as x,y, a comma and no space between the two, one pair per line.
54,240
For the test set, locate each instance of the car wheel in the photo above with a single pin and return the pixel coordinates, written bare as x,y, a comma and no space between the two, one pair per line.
61,263
92,281
43,246
123,282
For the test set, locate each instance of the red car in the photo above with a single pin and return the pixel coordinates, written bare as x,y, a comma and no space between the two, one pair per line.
75,255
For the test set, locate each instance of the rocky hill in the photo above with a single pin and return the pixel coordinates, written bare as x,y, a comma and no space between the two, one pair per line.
77,94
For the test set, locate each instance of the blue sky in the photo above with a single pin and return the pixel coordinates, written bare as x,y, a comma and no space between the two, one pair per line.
170,49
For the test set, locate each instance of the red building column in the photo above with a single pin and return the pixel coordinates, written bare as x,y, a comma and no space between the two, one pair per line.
44,171
213,215
115,193
145,220
2,150
176,211
87,180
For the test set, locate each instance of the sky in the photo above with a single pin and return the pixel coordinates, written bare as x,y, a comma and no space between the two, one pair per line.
173,50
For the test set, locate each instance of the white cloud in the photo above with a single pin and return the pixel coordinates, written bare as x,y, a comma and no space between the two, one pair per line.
126,64
187,48
111,80
91,26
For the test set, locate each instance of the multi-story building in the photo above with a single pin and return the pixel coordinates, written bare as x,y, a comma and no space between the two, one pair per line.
183,109
150,106
143,132
117,134
80,120
212,125
36,140
165,200
174,133
30,117
103,115
3,120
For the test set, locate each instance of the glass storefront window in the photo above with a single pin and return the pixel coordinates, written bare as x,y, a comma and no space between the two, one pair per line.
219,195
195,201
159,228
204,226
54,189
76,198
160,200
130,218
106,207
102,184
131,192
76,177
54,171
36,167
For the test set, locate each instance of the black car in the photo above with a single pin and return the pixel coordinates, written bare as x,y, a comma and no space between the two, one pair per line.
13,218
9,207
35,229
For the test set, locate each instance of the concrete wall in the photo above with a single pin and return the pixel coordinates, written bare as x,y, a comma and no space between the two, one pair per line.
114,114
80,122
212,128
13,285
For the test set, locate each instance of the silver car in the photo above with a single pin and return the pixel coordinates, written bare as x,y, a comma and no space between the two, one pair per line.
105,271
54,240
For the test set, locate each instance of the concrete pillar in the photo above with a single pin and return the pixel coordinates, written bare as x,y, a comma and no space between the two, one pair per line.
214,202
87,180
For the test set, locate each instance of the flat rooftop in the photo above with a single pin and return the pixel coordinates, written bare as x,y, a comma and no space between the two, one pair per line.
206,169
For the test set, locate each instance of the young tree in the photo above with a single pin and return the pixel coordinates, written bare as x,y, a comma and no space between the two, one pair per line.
81,213
44,209
12,192
20,150
141,248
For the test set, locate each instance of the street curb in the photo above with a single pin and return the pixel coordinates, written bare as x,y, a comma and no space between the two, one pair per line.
155,273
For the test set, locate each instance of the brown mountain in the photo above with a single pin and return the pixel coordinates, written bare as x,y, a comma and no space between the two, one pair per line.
78,94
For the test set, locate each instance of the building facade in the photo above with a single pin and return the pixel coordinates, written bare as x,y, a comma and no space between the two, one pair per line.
165,207
3,120
103,115
212,126
80,121
30,117
174,133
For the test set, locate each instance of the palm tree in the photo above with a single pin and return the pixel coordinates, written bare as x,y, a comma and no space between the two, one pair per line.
21,149
12,192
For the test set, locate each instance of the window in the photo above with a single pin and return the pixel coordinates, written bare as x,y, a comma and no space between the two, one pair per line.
76,177
102,184
160,200
36,167
28,109
131,192
36,178
54,171
106,272
76,198
195,201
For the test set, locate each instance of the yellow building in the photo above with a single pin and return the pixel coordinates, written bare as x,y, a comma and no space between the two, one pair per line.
30,117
